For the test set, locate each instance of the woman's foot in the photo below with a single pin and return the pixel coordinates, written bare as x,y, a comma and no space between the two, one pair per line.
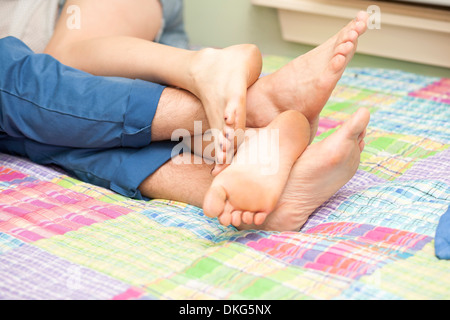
220,79
252,185
306,83
317,175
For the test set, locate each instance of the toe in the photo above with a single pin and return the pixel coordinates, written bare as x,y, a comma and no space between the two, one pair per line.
349,35
236,217
362,16
230,115
360,27
337,63
355,127
224,150
344,33
343,53
345,48
214,203
352,36
235,112
259,218
361,22
362,135
362,145
226,217
220,155
247,217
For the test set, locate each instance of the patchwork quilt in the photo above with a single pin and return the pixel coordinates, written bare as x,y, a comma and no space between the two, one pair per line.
61,238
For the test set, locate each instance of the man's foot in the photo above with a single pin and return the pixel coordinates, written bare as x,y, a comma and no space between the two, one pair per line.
221,78
306,83
253,183
317,175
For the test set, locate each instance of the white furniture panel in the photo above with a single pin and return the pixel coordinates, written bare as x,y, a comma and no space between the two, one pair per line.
407,32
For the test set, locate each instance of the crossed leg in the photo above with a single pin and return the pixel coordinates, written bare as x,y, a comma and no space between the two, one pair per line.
116,39
229,196
334,55
305,84
321,171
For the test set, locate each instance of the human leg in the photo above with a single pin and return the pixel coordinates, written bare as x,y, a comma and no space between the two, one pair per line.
318,174
45,101
119,169
306,83
179,180
116,46
62,106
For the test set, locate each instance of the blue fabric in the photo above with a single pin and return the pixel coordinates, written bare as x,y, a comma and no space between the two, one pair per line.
44,100
97,128
173,32
442,239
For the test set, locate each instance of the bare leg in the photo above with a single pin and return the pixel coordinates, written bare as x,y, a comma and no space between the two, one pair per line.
272,94
187,183
177,109
115,39
306,83
319,173
188,196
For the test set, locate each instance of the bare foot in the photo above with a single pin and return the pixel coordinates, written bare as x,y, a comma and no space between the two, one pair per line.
306,83
221,79
317,175
253,183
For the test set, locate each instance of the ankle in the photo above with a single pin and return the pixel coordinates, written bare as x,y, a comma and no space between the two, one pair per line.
196,72
262,105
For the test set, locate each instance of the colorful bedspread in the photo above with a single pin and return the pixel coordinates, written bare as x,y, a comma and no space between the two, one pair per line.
374,239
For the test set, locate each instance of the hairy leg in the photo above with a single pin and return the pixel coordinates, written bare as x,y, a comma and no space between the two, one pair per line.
178,109
319,173
180,181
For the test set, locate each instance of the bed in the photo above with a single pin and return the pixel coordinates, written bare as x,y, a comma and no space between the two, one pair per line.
61,238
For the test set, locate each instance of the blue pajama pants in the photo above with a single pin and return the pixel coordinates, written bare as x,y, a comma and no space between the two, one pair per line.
96,128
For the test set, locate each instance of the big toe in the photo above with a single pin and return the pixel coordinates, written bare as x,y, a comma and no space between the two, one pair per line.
214,202
357,124
337,64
